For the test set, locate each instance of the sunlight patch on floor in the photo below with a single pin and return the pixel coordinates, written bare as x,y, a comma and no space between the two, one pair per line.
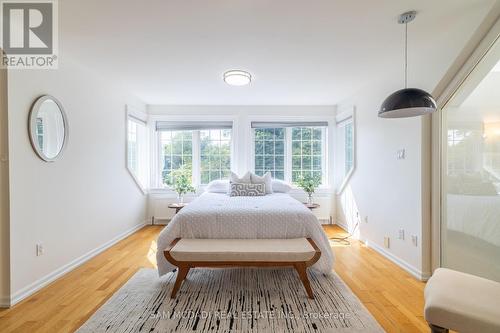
152,253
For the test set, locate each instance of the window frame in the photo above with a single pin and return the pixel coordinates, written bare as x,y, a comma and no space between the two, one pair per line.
325,147
341,120
471,132
286,148
195,158
156,181
200,170
159,161
140,119
243,145
324,150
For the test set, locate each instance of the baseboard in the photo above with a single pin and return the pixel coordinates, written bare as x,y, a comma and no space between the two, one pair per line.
422,276
162,220
42,282
342,225
4,302
325,221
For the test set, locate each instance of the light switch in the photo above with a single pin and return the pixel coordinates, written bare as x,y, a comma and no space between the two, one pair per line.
401,154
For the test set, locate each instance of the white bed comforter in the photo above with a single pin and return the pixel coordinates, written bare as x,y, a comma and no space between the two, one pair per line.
477,216
216,215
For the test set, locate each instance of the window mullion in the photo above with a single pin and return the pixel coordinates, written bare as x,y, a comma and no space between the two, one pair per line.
196,158
252,150
159,182
288,154
324,156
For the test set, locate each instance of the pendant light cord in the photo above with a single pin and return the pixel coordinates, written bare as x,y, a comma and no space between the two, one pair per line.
406,55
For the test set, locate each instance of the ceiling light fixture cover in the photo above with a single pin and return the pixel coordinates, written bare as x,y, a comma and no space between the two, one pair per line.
237,78
407,102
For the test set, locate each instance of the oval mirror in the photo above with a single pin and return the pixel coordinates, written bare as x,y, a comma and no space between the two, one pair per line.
48,128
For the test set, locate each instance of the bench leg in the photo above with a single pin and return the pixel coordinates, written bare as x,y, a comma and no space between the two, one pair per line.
182,272
301,268
437,329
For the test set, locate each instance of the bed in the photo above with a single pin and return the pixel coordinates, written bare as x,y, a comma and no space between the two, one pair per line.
217,215
472,234
476,216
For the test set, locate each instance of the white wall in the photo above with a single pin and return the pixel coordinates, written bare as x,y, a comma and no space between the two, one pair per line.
4,193
242,117
82,201
388,193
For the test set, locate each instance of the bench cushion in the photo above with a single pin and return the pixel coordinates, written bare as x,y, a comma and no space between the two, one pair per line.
293,250
462,302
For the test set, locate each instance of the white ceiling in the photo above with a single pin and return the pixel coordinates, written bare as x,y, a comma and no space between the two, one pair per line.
299,52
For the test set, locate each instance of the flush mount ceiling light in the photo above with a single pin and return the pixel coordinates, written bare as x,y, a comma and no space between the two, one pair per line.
407,102
237,78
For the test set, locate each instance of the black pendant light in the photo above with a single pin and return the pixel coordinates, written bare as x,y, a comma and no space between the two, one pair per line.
407,102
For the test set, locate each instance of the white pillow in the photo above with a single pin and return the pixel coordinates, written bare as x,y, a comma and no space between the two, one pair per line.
245,179
218,186
266,179
280,186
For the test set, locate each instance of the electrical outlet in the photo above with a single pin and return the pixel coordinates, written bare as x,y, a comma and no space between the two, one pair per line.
366,219
401,154
386,242
39,250
401,234
414,240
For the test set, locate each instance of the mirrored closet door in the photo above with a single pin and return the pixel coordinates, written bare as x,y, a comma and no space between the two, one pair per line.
470,196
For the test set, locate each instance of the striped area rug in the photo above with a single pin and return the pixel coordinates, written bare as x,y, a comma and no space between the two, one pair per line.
232,300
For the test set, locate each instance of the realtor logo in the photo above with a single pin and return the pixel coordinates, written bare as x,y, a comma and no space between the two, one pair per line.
29,33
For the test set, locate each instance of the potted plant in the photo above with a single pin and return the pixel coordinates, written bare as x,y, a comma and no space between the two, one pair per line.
182,183
309,183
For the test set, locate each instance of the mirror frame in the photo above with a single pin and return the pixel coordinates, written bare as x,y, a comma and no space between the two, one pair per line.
32,126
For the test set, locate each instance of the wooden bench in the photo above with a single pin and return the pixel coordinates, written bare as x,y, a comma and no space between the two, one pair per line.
299,253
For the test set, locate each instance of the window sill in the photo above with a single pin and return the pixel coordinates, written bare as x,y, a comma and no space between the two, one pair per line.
169,193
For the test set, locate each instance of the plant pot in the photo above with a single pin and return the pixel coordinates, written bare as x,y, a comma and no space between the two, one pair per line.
310,200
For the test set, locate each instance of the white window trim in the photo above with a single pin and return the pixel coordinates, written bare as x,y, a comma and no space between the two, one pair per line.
196,163
159,180
243,147
327,161
139,117
157,186
343,118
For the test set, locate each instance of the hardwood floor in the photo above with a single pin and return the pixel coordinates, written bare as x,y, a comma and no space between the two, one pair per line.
393,297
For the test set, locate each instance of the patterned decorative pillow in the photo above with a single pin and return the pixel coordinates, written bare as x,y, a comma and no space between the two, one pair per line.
247,190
